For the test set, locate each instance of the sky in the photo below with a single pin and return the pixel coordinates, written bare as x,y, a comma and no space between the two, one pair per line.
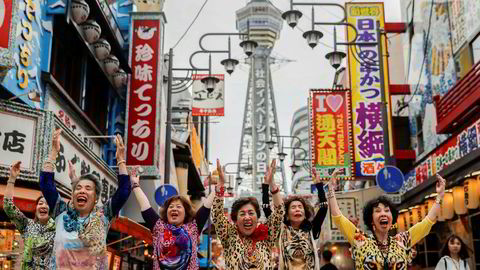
291,81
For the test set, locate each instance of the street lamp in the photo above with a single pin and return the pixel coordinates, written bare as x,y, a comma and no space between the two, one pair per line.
282,156
32,95
294,167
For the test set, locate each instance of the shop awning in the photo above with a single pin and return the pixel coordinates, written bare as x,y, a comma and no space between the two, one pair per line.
130,227
24,198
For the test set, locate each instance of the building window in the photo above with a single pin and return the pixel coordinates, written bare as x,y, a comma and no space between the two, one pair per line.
78,73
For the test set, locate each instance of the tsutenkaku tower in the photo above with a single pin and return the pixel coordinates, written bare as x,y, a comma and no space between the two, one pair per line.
260,120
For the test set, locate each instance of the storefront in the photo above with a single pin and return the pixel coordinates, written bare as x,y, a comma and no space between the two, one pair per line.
457,161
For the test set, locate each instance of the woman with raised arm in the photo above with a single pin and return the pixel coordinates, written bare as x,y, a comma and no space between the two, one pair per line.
175,231
379,250
37,233
82,225
247,243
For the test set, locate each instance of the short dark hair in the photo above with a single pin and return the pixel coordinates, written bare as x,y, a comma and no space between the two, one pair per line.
92,177
36,203
464,250
306,205
239,203
189,212
370,206
327,255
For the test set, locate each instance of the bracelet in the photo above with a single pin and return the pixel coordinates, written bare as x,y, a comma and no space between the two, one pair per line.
49,161
330,194
275,191
135,185
11,182
120,162
323,205
438,200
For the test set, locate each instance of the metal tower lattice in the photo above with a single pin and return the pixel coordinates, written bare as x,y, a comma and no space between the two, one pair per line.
264,22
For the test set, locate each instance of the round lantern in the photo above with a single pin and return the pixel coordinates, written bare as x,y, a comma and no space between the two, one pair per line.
446,209
472,201
111,64
119,78
459,200
402,226
102,49
407,219
478,186
80,11
424,208
91,31
416,214
430,202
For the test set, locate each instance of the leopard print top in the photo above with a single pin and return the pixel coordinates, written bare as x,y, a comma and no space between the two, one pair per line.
238,250
367,253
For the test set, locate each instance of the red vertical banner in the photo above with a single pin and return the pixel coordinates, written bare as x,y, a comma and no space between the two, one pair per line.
142,90
6,8
331,145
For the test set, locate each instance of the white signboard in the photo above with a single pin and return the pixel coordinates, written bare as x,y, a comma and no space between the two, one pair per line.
17,139
72,124
84,161
208,103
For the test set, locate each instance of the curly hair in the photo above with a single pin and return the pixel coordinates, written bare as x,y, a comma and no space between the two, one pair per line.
239,203
464,249
370,206
306,206
189,212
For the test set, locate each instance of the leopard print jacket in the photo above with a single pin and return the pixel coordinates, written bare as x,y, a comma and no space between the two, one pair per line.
239,254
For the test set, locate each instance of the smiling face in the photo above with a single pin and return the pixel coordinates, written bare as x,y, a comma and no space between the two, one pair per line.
382,218
296,213
41,212
454,246
247,219
84,197
176,213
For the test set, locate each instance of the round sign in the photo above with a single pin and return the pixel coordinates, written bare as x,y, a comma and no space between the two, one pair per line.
164,192
390,179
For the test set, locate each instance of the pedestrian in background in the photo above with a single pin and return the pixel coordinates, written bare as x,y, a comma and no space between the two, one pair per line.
175,230
326,257
247,243
379,250
37,233
454,254
81,225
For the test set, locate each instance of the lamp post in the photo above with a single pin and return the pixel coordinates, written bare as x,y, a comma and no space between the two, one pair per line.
335,58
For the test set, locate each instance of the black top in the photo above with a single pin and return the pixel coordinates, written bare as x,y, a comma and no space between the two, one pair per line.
151,217
328,266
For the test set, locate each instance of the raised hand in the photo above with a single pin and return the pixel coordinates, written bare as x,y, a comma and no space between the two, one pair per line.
71,171
332,185
56,140
15,169
270,173
316,177
221,174
440,188
120,154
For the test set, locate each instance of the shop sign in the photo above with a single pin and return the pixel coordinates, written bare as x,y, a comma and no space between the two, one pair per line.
142,93
72,123
84,160
366,91
8,19
452,150
22,139
206,103
260,117
331,133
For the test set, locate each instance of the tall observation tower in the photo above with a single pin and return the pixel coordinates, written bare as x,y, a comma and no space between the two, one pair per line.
260,117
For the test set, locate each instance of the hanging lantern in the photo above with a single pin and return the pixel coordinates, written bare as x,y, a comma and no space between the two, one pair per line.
416,215
407,219
459,200
424,208
478,186
430,203
470,188
446,211
401,221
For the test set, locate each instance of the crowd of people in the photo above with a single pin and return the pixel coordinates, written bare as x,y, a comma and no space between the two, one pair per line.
72,235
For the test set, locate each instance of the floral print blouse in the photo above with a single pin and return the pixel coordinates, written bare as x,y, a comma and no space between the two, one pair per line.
247,252
37,238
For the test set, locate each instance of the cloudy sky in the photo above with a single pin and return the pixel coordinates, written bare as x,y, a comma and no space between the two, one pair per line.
291,81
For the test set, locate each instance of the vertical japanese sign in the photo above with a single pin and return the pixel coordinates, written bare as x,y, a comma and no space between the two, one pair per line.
260,116
331,132
142,93
368,129
208,103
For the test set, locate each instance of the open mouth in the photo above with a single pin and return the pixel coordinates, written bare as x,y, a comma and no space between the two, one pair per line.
248,225
43,211
174,215
81,200
298,215
384,222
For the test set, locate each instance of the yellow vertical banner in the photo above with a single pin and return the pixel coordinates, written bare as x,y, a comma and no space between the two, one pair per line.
363,60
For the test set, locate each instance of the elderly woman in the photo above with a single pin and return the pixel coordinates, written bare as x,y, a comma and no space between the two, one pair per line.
37,233
297,239
175,231
379,250
82,225
247,243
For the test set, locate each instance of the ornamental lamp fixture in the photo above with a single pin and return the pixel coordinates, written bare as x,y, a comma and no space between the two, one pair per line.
210,82
292,17
248,46
335,58
229,64
312,37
